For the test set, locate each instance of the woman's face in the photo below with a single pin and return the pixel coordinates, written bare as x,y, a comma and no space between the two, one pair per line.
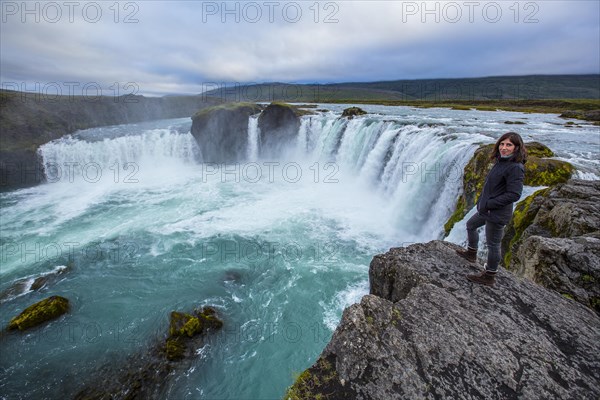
506,148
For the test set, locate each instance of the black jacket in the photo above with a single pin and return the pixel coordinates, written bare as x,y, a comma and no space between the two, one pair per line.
503,186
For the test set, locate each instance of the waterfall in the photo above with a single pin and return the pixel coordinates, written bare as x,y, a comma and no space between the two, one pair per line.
418,169
415,169
302,142
253,138
70,158
376,157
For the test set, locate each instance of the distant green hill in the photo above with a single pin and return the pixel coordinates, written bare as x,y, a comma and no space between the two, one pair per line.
531,87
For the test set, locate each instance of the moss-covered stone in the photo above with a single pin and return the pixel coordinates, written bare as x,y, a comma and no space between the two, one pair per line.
352,112
298,110
568,296
320,381
184,327
536,149
587,278
523,216
175,349
589,115
182,324
458,214
40,312
235,106
544,172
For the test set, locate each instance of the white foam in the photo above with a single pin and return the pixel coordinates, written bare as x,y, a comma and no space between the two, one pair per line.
351,295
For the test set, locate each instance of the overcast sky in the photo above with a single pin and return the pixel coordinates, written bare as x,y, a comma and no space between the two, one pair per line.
161,47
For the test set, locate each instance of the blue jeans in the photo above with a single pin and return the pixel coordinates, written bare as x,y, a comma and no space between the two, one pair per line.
493,236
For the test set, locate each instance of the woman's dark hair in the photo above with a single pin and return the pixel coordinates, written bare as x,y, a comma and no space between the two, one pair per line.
520,154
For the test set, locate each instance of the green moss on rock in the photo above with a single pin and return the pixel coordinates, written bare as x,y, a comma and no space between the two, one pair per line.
175,349
568,296
459,214
318,382
184,325
298,110
544,172
208,319
40,312
523,216
536,149
239,106
587,278
351,112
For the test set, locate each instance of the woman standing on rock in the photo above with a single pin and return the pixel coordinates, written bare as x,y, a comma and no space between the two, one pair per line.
503,186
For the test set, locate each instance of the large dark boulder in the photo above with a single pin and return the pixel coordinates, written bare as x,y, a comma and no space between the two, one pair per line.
539,171
278,125
222,131
425,332
590,115
145,375
554,240
352,112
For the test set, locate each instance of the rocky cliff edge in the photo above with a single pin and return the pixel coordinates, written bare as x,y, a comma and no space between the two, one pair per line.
426,332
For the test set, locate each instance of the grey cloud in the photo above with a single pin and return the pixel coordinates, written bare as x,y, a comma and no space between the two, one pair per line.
171,48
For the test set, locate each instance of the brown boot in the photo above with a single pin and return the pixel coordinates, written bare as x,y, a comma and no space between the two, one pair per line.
485,278
470,254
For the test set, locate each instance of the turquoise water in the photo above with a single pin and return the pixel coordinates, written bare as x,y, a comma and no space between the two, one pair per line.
278,247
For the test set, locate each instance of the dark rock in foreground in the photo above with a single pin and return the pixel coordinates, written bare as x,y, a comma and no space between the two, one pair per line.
40,312
145,375
554,240
425,332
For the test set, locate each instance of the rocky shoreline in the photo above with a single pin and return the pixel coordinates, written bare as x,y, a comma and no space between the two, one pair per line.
554,240
426,332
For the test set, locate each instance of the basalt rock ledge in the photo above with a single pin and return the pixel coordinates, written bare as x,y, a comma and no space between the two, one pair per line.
426,332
